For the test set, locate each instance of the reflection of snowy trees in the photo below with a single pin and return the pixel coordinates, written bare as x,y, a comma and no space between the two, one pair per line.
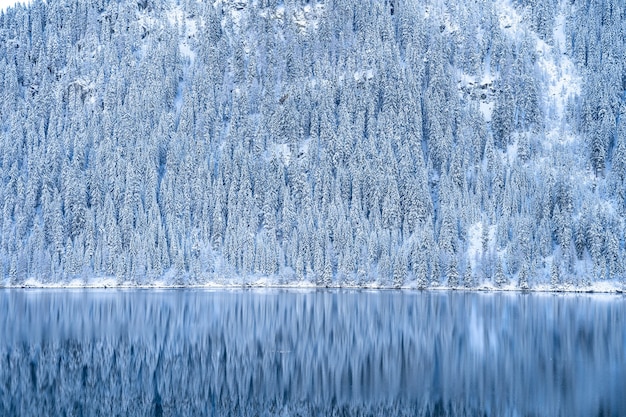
310,353
335,142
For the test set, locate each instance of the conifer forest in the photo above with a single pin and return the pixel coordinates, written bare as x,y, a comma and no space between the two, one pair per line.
392,143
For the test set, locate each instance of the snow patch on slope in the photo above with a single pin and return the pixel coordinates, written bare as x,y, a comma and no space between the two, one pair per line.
486,109
188,30
475,239
364,75
479,90
443,16
511,22
176,16
560,80
307,18
282,152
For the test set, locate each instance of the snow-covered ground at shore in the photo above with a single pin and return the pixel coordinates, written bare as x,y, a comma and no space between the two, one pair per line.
612,286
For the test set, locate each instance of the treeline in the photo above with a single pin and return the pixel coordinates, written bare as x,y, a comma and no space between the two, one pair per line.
334,142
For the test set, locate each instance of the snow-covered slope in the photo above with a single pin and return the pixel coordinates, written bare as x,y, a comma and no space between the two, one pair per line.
411,144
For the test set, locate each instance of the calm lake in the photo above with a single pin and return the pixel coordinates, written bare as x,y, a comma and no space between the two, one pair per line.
310,353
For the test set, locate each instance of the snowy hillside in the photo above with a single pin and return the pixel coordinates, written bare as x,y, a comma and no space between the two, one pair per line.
393,143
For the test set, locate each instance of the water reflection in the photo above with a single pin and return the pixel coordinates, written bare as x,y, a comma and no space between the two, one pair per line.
190,353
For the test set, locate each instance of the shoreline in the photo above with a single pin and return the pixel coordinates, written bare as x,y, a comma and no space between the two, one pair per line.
599,288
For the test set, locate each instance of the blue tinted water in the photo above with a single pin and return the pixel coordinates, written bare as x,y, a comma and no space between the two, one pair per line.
274,352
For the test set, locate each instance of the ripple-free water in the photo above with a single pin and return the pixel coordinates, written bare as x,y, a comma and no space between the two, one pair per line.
310,353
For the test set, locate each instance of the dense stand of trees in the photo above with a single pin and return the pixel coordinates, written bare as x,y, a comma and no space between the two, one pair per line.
334,142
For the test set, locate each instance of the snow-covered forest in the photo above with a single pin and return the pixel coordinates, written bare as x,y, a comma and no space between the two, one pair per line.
419,143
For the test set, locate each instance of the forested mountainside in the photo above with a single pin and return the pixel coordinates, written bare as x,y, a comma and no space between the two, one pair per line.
418,143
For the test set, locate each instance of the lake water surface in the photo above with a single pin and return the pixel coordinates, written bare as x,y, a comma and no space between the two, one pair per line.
309,353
